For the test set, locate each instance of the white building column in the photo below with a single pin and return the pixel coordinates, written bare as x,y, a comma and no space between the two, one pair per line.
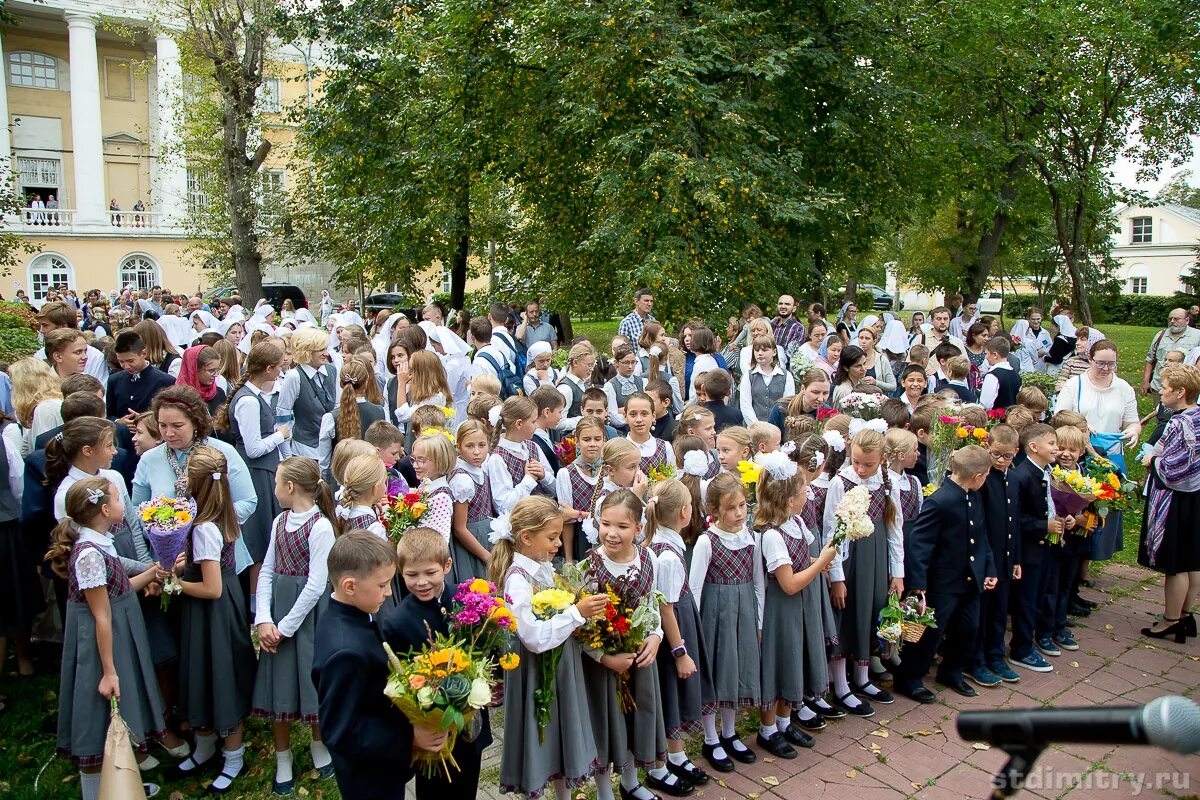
171,171
6,166
87,137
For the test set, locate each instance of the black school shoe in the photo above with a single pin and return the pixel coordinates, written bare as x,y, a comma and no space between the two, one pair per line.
745,755
798,737
776,745
628,795
863,709
879,696
680,788
822,708
719,764
688,772
814,723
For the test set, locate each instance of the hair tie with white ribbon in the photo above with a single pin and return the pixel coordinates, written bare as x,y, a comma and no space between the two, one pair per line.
494,416
652,501
501,530
777,465
835,440
95,496
656,351
216,476
787,448
818,458
859,425
695,463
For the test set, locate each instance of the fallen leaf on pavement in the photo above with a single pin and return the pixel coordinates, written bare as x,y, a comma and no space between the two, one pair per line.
1074,663
852,773
771,780
880,732
981,746
1108,627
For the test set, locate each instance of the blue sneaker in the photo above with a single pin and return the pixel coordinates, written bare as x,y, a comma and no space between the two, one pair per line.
984,677
1066,641
1032,662
1046,646
1004,672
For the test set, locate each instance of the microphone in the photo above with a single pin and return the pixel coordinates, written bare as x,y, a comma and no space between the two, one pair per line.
1172,723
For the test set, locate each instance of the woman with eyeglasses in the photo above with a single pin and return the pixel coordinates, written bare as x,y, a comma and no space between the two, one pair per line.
1109,405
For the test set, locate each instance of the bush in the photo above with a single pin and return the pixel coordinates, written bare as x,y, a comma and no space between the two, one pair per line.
1139,309
17,337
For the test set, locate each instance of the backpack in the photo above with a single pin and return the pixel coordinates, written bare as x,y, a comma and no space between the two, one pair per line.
510,382
518,352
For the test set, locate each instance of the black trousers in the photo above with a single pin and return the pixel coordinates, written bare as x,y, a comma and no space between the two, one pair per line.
464,784
958,621
993,616
1025,598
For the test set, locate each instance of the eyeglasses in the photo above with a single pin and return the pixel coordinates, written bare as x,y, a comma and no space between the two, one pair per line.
626,362
1002,456
1104,365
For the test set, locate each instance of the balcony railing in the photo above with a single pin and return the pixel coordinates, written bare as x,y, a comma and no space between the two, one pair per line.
64,220
133,219
42,218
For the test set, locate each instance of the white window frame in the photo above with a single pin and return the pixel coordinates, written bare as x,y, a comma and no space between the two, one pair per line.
447,280
1139,285
55,268
38,171
270,97
1141,230
197,197
143,271
36,70
272,183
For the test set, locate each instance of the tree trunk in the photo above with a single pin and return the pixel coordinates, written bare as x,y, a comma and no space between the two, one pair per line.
1070,232
458,269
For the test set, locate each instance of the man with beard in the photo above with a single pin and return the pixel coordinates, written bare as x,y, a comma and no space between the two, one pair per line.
789,331
939,318
1176,336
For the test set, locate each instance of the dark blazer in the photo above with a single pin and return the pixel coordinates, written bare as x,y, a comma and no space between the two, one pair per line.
664,427
1002,513
948,549
548,451
369,739
404,628
125,394
1035,510
37,507
920,470
964,394
726,415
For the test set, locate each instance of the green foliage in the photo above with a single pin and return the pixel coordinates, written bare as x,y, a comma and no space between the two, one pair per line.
1179,191
17,337
1139,309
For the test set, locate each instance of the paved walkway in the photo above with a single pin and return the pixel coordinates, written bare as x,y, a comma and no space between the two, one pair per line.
909,750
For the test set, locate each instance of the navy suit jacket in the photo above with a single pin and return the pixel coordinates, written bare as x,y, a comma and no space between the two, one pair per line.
369,739
726,415
1002,511
1035,510
125,394
948,551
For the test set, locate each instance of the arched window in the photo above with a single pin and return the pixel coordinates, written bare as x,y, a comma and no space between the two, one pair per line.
1139,279
33,70
47,270
138,271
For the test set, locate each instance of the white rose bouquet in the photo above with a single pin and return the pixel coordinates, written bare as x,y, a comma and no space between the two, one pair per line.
853,520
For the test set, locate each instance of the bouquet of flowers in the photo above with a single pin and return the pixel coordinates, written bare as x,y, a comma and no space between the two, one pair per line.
664,472
969,434
167,522
402,513
996,416
905,620
1115,492
825,412
442,687
1072,492
943,441
852,520
622,629
749,472
547,604
1041,380
565,450
861,405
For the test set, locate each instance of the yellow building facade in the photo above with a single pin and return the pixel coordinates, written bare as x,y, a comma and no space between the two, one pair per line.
91,117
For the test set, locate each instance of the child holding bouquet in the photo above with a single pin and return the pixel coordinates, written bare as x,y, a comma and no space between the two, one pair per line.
423,561
548,732
1054,636
622,674
518,468
640,418
685,680
576,484
216,674
291,586
472,503
433,459
950,560
726,577
793,642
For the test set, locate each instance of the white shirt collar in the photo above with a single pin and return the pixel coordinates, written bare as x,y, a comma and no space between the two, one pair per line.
795,527
776,370
670,537
742,537
1000,365
545,435
436,483
516,447
647,448
577,381
297,519
543,571
475,472
102,540
78,474
873,482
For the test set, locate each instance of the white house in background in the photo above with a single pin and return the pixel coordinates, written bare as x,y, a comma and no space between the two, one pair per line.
1155,247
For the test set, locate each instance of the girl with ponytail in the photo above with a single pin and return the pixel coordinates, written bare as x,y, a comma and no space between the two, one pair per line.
575,485
519,467
106,654
684,675
620,469
291,586
361,402
691,474
564,752
866,571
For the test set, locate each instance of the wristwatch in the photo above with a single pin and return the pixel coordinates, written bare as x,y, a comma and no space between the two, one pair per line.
681,650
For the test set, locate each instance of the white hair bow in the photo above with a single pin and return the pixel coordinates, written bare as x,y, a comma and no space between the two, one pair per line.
696,463
818,459
501,530
857,425
95,496
777,465
835,440
787,448
494,416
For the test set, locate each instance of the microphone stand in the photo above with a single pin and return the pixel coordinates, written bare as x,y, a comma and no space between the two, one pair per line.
1011,777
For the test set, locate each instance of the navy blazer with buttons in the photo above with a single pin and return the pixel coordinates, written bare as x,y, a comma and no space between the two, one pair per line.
1032,491
948,551
125,394
1002,515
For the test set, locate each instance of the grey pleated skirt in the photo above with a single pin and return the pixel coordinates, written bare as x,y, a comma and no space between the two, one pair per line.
866,573
783,647
729,623
216,664
283,686
641,731
82,712
820,631
683,702
467,566
256,531
568,751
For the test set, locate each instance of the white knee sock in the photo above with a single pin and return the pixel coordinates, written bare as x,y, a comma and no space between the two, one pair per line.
767,731
806,713
320,754
231,768
283,766
728,722
862,674
710,728
206,746
604,790
841,686
631,783
677,758
782,722
89,785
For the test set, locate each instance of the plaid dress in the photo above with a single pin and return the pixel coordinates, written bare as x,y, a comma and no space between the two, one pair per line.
729,623
684,701
582,491
866,573
283,686
641,731
910,502
364,522
793,646
83,713
514,463
479,523
661,457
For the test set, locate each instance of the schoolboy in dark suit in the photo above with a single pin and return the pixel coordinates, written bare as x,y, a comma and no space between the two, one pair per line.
423,557
131,390
550,406
718,385
370,740
1037,520
958,368
948,557
1002,518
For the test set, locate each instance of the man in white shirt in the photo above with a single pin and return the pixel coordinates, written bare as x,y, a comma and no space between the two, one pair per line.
939,318
502,340
963,322
1035,342
488,358
63,315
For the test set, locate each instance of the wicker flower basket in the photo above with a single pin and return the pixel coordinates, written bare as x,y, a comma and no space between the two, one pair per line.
912,631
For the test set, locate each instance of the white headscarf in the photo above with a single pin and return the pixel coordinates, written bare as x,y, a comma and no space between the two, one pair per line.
303,315
228,323
895,338
868,321
450,341
177,329
1065,326
381,340
208,319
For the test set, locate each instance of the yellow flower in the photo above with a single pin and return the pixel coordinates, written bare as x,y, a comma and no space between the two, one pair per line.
962,433
549,600
419,508
1114,481
928,489
480,585
183,517
448,411
509,661
147,514
980,433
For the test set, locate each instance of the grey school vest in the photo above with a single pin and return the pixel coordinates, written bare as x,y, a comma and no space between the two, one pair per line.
314,400
266,426
624,394
576,397
764,394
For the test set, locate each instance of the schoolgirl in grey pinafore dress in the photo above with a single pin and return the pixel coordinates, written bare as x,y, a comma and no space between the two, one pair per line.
578,495
866,572
256,530
661,457
729,623
811,516
470,485
528,763
216,663
358,519
283,685
83,713
793,644
683,701
640,731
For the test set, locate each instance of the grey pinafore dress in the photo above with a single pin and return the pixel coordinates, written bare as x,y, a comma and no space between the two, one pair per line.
729,623
684,702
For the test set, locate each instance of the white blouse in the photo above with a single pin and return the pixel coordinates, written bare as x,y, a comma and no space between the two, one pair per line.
895,530
505,493
376,527
90,568
247,412
702,557
207,542
320,540
538,635
670,574
774,548
464,487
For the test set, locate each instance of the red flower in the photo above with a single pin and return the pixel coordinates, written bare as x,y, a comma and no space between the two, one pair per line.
621,625
825,413
610,612
996,413
412,497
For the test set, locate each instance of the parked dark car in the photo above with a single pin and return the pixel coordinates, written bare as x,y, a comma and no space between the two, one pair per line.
275,293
